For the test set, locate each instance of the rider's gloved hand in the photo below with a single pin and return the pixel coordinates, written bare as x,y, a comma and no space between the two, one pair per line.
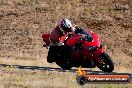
83,38
78,30
90,39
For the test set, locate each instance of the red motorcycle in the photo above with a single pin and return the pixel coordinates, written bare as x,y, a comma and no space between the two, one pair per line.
85,51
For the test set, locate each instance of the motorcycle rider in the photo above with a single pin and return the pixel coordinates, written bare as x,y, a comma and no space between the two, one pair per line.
59,35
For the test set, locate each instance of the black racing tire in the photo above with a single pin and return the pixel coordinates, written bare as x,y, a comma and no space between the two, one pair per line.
66,65
106,64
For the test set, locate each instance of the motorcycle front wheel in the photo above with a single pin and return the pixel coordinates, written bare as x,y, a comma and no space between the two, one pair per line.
105,63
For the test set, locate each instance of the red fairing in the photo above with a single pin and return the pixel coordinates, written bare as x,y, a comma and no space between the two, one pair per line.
95,41
76,38
72,40
98,52
86,44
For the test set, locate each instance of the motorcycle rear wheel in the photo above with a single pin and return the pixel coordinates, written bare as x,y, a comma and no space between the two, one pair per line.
105,63
66,65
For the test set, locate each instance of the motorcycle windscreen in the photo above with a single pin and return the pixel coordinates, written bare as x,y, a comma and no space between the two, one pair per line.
95,41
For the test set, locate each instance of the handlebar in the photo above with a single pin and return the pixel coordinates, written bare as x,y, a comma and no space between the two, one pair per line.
86,38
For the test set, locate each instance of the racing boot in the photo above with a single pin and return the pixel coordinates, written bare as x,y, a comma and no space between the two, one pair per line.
50,55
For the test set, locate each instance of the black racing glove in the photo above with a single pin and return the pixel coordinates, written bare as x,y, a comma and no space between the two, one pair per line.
78,30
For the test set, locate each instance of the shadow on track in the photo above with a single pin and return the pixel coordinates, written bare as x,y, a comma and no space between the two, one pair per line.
48,68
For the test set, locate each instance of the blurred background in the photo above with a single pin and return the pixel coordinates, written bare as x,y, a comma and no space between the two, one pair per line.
22,23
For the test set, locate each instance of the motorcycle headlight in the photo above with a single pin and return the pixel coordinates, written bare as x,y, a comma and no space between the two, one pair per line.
92,48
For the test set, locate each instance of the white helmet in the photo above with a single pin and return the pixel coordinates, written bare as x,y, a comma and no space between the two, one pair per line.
65,23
